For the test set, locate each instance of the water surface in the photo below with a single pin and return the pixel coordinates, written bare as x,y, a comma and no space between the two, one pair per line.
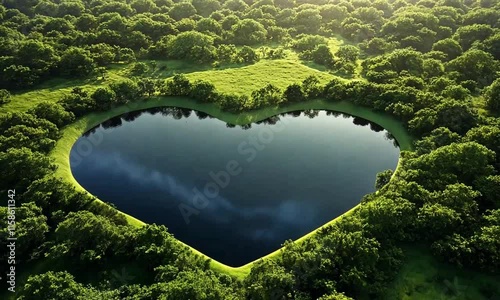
234,193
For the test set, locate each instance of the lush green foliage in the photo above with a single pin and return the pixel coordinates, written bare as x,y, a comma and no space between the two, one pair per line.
432,65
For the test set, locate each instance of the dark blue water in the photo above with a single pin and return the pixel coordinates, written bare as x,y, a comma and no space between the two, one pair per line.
234,193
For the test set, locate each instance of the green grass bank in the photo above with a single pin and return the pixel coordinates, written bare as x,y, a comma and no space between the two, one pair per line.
72,132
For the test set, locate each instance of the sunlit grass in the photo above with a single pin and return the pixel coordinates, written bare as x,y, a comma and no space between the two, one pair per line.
244,80
238,79
53,90
228,78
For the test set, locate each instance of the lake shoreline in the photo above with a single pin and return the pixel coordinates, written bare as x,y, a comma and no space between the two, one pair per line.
72,132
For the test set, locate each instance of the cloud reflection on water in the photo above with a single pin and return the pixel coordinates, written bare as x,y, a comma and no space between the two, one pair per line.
287,215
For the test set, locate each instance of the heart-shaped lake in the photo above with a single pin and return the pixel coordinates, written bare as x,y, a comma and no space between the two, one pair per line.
234,193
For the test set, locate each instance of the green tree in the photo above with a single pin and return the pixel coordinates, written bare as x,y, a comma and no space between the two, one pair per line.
307,21
482,16
376,46
489,187
268,95
155,246
36,55
210,26
70,9
457,162
247,55
4,96
51,285
181,46
21,167
235,5
126,90
147,86
182,10
486,242
18,77
46,8
456,92
492,96
461,198
383,178
86,22
31,230
193,285
10,120
78,102
335,296
488,136
481,249
102,54
87,236
345,256
139,68
438,137
228,22
436,220
206,7
311,87
203,91
52,112
268,280
226,53
474,65
179,85
347,53
335,90
467,35
144,6
33,138
306,42
449,46
248,32
76,62
202,55
294,93
54,194
457,116
121,8
492,45
384,215
104,98
322,55
233,102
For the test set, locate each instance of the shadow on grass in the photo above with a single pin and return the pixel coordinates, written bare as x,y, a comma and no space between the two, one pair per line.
168,68
322,68
57,83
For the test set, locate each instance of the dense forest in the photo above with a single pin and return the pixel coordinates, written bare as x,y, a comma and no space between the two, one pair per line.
433,65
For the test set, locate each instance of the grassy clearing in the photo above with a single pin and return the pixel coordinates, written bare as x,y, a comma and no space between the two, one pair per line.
71,133
424,277
231,78
54,89
280,73
228,78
